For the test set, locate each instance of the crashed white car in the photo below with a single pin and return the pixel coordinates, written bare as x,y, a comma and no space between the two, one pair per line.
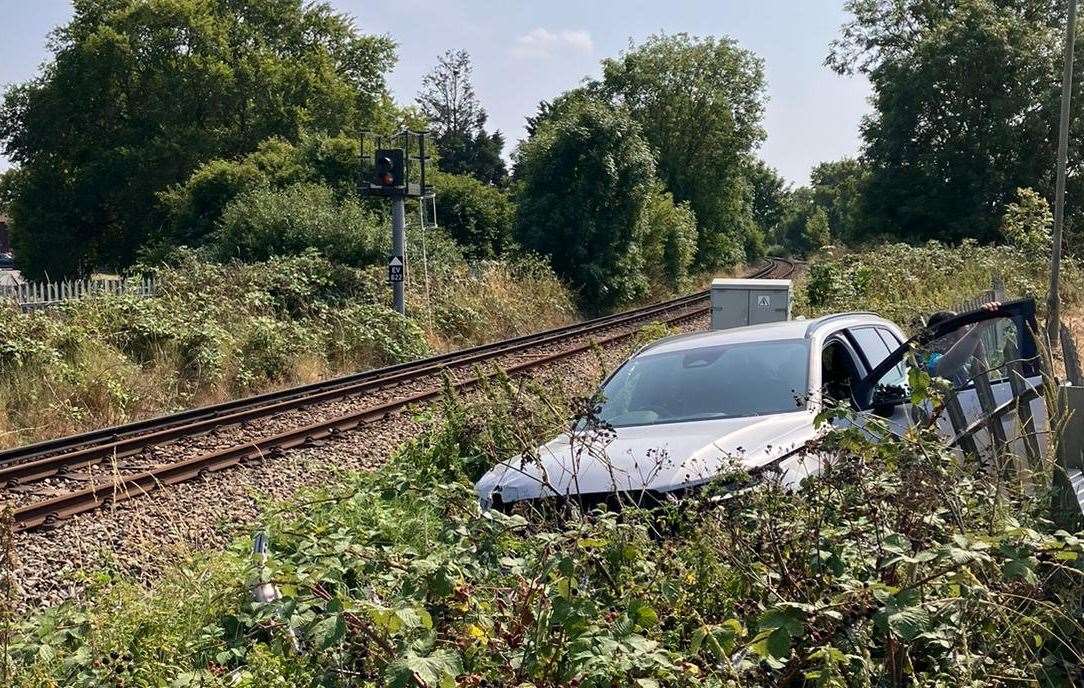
685,408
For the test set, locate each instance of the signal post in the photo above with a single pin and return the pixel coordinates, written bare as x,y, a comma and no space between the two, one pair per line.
391,179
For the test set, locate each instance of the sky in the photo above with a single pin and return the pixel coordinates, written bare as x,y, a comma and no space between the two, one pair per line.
525,51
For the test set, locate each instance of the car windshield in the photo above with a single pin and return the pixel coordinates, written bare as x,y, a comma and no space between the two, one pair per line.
728,381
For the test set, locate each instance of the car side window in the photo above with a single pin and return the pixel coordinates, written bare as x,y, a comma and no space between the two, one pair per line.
891,340
871,344
839,371
957,357
877,344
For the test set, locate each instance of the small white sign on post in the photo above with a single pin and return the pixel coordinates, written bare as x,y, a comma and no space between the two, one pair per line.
395,269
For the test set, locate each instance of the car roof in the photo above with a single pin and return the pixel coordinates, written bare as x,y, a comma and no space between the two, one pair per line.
767,332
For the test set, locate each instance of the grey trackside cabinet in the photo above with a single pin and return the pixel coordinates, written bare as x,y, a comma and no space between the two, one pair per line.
740,302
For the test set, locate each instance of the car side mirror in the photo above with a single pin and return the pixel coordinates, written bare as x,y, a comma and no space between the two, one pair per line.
886,399
884,409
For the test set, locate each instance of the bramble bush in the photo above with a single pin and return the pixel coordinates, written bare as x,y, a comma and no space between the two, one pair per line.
900,564
903,282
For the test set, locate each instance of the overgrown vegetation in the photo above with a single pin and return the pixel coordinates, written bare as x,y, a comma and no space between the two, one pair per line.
898,565
904,282
215,330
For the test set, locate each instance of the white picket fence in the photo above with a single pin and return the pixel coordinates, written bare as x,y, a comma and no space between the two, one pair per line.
31,295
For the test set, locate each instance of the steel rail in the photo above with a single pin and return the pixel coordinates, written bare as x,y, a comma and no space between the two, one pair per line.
124,487
345,385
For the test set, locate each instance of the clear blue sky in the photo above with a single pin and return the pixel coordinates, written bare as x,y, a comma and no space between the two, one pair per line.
525,51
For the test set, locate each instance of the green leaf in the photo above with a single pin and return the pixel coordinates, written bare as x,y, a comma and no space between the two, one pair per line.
329,631
778,642
643,615
564,587
1021,569
438,669
919,382
778,628
789,616
906,623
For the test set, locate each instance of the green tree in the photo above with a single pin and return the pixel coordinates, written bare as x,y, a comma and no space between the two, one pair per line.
668,239
1027,222
965,96
458,121
790,234
478,216
838,187
551,109
139,93
767,195
816,232
582,183
7,188
699,102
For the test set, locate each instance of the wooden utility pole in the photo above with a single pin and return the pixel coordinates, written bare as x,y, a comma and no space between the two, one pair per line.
1053,317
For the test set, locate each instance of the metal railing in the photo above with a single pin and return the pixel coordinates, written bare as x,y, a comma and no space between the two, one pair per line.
32,295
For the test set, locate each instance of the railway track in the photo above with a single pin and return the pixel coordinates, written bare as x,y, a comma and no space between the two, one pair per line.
107,461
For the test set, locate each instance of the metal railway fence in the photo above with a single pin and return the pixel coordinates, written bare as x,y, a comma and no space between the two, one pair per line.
32,295
1021,453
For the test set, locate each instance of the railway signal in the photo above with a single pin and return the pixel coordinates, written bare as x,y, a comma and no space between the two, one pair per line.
394,160
390,168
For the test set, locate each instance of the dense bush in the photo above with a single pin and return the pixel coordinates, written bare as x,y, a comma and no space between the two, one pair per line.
195,206
480,217
903,282
264,222
1027,222
669,240
372,334
898,565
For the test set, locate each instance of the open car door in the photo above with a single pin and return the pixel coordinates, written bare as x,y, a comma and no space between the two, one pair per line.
988,359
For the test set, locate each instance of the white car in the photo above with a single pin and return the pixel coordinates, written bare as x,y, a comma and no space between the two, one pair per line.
685,408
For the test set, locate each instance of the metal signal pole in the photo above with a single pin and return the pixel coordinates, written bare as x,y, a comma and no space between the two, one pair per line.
1053,319
398,254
